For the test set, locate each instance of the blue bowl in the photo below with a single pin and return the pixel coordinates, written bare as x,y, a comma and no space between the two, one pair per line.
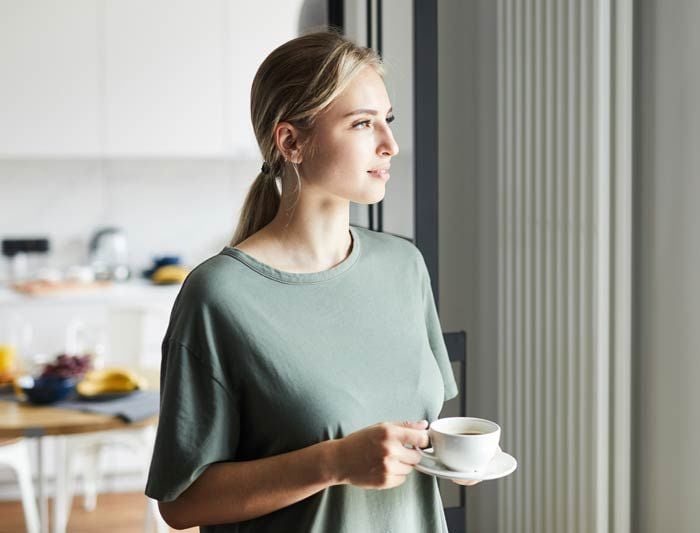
162,261
46,390
166,260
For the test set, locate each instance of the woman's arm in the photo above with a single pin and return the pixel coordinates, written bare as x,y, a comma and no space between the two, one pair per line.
237,491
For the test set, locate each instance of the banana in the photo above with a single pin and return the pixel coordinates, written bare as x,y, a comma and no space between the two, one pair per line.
111,373
110,380
169,274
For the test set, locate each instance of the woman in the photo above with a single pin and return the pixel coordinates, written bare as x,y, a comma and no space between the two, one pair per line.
302,362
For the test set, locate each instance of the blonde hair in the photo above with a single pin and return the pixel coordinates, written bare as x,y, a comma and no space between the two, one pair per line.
295,84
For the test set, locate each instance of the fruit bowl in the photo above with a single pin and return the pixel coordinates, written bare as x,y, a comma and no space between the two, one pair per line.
45,390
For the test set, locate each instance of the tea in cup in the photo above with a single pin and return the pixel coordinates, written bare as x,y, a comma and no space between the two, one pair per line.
463,444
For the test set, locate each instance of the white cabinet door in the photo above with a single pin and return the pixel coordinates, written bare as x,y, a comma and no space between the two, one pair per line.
164,78
49,93
254,33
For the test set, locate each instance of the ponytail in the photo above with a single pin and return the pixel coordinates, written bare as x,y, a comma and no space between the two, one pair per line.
259,208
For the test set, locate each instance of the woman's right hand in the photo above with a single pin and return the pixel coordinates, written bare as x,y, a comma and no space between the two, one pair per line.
376,457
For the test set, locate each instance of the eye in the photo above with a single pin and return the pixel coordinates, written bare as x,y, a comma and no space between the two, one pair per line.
389,120
367,122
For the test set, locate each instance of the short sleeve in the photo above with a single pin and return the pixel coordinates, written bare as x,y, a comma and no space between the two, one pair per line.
437,341
199,423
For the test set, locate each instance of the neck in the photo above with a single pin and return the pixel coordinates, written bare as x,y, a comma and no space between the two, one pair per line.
314,232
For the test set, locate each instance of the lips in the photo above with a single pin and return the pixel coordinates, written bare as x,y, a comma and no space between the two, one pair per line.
380,173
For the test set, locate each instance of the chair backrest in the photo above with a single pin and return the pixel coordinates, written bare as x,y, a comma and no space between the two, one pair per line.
457,348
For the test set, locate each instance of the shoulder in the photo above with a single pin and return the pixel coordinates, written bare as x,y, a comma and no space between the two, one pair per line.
212,288
389,247
374,241
208,302
210,277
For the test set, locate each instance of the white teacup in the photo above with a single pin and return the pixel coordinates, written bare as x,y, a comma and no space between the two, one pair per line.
463,444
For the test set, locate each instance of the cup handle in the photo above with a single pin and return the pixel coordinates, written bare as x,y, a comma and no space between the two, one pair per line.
423,453
429,455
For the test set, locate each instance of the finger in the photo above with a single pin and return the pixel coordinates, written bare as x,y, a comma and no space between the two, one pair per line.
400,468
466,482
420,424
416,438
407,456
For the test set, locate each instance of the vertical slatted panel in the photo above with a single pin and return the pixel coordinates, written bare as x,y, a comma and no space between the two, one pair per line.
509,265
516,259
559,272
602,265
586,267
503,83
508,402
571,236
548,267
550,431
529,226
526,268
538,271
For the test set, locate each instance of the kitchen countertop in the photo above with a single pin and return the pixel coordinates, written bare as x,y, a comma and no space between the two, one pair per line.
136,292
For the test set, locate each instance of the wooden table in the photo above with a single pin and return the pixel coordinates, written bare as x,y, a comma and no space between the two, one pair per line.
24,420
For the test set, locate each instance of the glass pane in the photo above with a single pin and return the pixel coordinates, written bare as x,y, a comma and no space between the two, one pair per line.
396,34
397,52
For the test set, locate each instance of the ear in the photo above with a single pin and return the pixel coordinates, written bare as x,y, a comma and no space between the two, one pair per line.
288,141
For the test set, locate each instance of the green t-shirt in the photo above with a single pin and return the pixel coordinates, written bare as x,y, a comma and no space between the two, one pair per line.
258,362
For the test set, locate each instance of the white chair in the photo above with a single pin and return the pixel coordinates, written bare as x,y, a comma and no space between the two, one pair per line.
83,454
15,454
83,451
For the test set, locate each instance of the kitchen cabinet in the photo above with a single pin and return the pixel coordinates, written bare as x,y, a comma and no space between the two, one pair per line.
251,38
164,78
128,78
49,67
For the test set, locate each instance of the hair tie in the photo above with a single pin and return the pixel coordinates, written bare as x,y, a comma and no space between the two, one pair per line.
265,169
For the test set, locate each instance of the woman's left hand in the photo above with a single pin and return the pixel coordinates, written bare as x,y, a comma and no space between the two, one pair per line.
467,482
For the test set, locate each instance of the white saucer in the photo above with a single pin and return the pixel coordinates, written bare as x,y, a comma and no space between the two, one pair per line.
500,466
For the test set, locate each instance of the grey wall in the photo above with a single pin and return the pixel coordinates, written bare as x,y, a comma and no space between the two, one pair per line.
667,260
468,216
667,251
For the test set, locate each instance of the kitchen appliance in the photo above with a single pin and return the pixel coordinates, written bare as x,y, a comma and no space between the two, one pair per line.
109,254
26,257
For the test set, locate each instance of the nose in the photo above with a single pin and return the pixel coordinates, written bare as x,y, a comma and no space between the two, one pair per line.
387,144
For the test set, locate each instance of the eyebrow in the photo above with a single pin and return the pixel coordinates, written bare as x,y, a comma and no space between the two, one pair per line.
365,112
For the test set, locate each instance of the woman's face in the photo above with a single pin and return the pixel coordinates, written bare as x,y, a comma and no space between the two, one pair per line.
352,138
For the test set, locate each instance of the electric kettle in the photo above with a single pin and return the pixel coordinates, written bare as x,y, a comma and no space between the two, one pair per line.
109,254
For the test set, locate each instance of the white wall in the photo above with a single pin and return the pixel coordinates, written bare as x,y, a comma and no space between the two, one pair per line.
188,207
667,278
